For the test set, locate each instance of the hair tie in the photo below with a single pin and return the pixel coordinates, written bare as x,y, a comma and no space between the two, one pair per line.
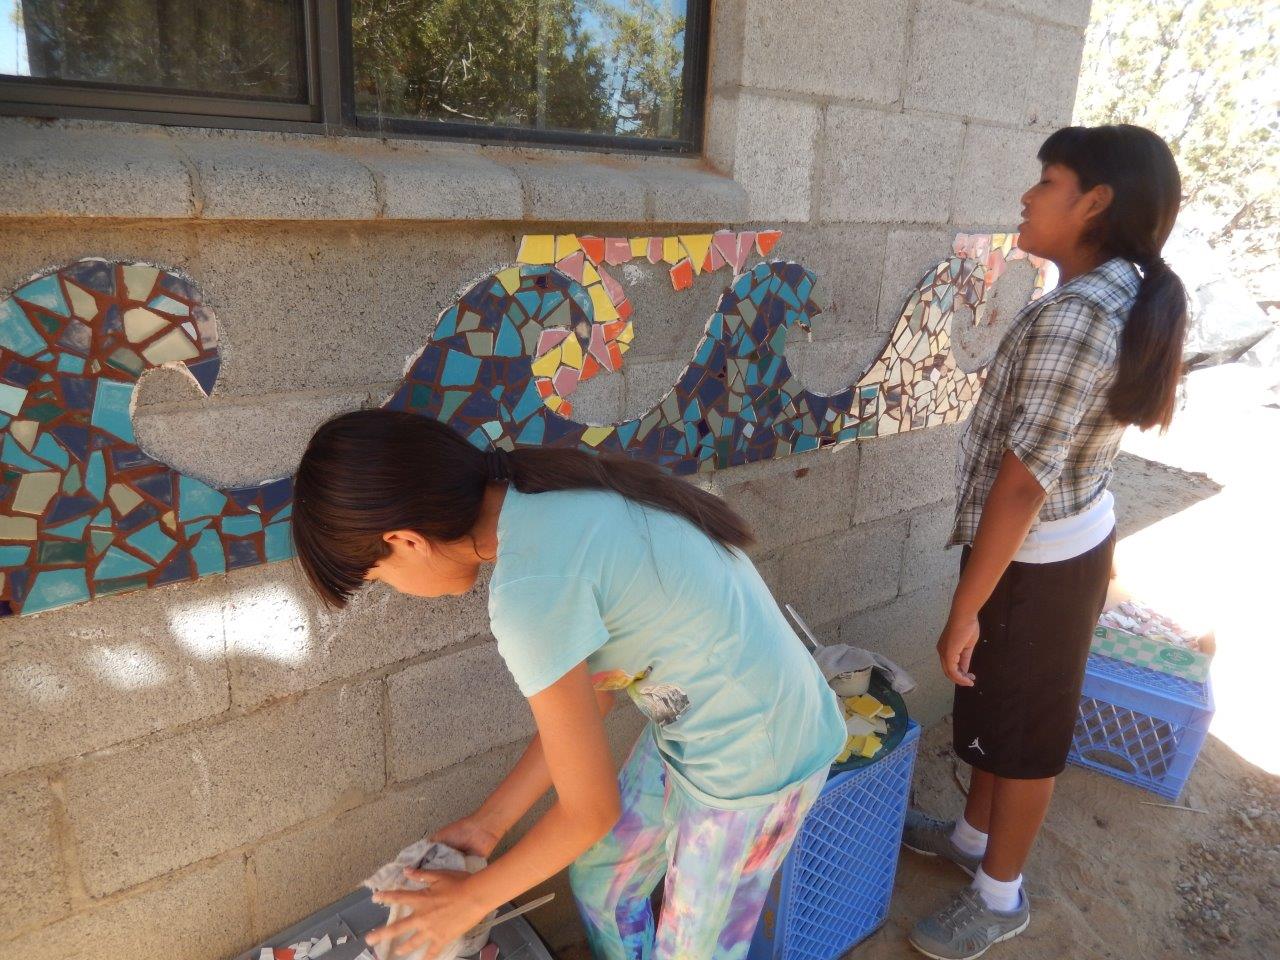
1154,265
497,465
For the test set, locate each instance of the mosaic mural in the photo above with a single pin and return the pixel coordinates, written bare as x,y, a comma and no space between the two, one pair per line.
85,513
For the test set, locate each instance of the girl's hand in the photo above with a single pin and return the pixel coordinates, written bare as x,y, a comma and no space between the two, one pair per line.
442,912
469,835
955,647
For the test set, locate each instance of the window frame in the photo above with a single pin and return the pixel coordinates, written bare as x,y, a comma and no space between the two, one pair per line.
330,105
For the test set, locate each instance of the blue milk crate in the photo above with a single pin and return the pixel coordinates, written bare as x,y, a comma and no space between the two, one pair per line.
834,887
1140,726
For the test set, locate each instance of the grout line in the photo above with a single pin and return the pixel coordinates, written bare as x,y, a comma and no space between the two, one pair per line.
68,852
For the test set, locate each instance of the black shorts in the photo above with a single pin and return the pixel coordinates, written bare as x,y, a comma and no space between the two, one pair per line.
1016,721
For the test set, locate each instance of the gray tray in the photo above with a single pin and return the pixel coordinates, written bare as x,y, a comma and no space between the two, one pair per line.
356,914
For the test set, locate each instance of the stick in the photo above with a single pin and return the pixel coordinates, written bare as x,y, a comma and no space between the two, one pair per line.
1171,806
512,914
804,627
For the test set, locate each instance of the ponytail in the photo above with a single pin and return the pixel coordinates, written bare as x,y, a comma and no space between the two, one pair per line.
1146,193
371,471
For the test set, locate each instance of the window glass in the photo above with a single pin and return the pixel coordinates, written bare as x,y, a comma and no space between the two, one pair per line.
609,67
231,48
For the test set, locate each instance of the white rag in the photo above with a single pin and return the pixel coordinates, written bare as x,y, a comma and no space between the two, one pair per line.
838,658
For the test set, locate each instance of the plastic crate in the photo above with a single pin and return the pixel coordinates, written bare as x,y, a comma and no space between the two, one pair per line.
834,887
1140,726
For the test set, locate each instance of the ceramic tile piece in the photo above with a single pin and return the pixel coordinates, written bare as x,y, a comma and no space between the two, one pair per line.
139,280
140,323
537,248
172,347
11,401
697,246
83,304
35,490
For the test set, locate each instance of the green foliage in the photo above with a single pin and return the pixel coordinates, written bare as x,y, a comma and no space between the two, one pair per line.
1205,75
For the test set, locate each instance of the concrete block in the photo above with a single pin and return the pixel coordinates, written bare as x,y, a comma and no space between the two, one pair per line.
302,870
683,194
239,179
909,254
1074,13
795,499
235,442
926,559
847,260
451,708
601,399
720,129
946,77
997,168
887,166
560,189
813,54
1054,74
844,572
905,470
931,700
828,366
728,24
203,914
906,628
669,323
420,183
33,891
281,639
47,170
83,678
647,382
143,811
774,155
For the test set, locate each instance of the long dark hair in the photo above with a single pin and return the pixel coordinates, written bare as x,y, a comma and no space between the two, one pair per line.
371,471
1146,188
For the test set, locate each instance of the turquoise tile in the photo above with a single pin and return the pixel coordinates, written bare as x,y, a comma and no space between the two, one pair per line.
191,529
285,511
11,398
71,531
153,541
103,519
459,370
45,292
70,363
529,403
117,563
95,476
56,588
169,305
111,408
16,332
531,435
14,556
279,542
242,526
208,554
13,454
196,499
49,450
508,343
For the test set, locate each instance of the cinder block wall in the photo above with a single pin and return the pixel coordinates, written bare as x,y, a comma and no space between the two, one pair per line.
186,770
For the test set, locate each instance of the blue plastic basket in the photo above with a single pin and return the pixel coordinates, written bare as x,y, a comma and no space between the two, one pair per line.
834,887
1140,726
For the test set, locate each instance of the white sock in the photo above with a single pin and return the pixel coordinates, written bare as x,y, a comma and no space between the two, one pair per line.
1002,896
969,840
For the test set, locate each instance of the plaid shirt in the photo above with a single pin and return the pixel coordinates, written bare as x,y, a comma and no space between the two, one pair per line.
1045,399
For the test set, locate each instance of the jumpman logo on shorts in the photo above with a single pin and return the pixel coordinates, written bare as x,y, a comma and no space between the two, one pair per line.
976,746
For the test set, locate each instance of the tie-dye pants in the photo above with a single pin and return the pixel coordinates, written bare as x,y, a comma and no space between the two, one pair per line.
718,866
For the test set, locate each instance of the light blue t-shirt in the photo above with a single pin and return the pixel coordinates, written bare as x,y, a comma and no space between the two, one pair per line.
738,707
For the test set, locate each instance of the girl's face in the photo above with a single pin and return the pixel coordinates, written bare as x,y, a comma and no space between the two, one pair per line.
1056,213
420,568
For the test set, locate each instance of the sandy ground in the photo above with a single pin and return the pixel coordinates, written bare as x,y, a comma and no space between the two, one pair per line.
1112,875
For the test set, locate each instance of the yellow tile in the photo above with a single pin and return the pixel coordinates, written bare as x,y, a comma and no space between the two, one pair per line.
639,246
589,274
35,490
627,335
567,243
123,497
173,346
592,436
553,403
571,352
139,279
547,364
82,303
169,520
697,245
671,252
510,279
536,248
140,324
605,311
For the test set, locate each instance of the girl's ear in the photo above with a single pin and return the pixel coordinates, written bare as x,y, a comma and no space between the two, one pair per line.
407,541
1097,200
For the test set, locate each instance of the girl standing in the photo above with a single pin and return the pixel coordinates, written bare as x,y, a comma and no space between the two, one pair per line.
1102,351
608,576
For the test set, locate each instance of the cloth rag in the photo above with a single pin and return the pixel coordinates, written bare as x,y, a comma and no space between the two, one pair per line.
838,658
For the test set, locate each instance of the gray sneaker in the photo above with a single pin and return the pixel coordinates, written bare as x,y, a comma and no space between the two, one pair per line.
966,927
932,837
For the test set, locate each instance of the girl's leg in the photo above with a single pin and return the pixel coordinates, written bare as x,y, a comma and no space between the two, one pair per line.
977,808
1017,811
612,881
722,862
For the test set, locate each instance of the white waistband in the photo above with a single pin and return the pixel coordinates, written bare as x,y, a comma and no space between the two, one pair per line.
1051,541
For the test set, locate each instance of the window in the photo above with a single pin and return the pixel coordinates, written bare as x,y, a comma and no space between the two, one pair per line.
625,73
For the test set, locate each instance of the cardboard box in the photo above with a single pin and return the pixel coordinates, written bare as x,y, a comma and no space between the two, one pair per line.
1151,654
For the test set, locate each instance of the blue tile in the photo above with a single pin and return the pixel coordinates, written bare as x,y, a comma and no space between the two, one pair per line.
279,542
13,454
11,556
95,475
49,450
111,408
70,531
168,305
56,588
196,499
242,526
152,541
70,363
459,370
45,292
117,563
208,554
11,398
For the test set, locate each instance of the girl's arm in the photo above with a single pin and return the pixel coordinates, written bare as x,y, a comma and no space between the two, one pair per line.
576,755
1010,510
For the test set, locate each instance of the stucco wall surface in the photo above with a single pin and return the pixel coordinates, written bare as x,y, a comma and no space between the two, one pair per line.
186,770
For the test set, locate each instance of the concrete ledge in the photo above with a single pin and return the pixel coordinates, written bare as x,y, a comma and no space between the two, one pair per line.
129,172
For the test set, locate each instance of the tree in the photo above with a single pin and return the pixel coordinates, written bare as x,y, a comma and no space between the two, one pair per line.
1205,75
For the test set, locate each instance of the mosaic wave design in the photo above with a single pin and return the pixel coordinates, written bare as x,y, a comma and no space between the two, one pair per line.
85,513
